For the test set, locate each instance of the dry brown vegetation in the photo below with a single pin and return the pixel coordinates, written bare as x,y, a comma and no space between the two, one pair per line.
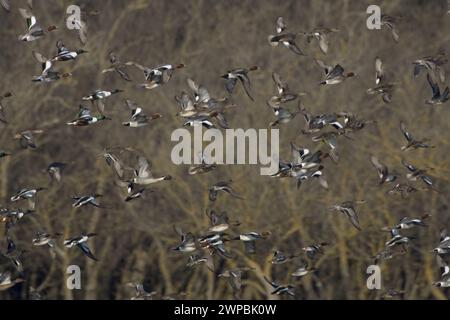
211,37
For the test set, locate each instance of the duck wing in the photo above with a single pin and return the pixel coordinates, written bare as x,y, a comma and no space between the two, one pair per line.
5,5
230,84
143,168
336,71
282,86
250,246
281,25
323,43
86,251
246,84
434,87
405,132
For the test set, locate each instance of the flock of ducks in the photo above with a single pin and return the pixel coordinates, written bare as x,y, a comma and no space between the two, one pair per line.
199,108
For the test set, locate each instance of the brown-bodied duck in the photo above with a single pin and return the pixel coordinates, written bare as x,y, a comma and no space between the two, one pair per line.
138,117
413,143
433,65
417,173
284,38
383,171
222,186
117,66
390,22
383,88
437,97
26,138
234,277
348,209
283,94
321,35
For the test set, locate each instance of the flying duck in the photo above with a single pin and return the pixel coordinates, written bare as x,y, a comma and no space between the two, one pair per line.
143,175
2,112
416,173
283,115
220,222
45,239
383,171
387,254
116,66
280,257
348,208
303,270
199,258
234,277
283,94
65,54
14,254
280,289
222,186
141,293
321,35
80,242
232,76
438,97
158,76
85,118
444,243
390,22
432,64
383,87
314,249
205,165
286,39
444,282
6,282
334,75
413,143
188,241
98,95
26,138
250,238
199,121
216,243
87,200
397,239
35,31
138,117
55,170
27,194
403,189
